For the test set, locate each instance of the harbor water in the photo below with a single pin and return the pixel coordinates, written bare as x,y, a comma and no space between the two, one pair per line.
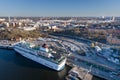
16,67
13,66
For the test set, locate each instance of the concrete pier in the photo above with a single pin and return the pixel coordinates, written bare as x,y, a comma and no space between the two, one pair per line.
5,44
79,73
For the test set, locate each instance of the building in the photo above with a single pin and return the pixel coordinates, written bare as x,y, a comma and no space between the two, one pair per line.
28,28
7,24
2,19
112,40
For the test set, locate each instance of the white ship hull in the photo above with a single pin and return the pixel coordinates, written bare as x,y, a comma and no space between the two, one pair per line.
26,53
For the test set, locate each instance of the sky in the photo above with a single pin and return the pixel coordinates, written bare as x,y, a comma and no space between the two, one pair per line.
59,7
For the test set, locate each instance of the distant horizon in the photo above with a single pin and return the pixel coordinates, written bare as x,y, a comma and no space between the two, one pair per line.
60,8
59,16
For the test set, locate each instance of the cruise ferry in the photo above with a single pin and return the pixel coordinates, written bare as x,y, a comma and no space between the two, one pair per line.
41,54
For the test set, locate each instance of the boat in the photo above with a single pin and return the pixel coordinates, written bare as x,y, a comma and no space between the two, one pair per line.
41,54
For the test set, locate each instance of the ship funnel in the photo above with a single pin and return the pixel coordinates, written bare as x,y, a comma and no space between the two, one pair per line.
45,45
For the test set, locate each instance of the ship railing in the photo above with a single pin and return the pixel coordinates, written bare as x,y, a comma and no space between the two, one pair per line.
50,59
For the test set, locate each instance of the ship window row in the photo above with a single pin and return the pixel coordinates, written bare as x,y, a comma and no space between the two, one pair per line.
54,61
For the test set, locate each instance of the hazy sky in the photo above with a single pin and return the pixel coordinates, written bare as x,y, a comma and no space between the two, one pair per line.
59,7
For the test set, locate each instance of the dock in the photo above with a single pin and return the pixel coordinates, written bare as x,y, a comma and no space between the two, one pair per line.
79,73
5,44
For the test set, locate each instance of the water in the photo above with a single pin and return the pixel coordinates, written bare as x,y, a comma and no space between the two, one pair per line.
16,67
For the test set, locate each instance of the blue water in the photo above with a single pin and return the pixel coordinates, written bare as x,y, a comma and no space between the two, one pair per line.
13,66
16,67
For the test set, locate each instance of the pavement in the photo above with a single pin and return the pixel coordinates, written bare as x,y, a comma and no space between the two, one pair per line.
101,66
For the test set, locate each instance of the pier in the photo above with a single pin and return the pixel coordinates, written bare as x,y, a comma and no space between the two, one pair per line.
105,74
5,44
79,73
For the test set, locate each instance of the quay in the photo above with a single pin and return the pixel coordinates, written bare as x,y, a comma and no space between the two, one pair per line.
106,75
6,47
5,44
79,73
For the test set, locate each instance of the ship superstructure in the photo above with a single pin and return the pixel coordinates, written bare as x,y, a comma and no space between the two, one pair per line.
41,54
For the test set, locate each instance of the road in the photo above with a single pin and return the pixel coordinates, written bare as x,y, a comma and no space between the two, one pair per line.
101,66
94,70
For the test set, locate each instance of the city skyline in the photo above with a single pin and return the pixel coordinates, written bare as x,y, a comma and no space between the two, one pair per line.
59,8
